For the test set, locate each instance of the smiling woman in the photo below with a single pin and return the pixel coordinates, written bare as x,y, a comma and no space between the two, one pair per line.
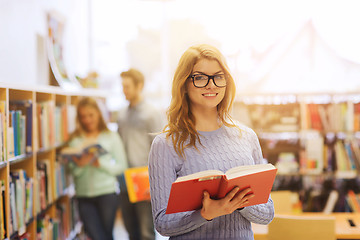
201,135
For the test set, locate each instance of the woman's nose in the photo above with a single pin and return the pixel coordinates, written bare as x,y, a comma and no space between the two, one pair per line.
211,84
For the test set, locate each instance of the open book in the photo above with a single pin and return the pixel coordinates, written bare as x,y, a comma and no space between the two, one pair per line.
68,153
187,192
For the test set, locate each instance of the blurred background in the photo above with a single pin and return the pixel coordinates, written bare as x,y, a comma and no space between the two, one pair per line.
271,46
296,65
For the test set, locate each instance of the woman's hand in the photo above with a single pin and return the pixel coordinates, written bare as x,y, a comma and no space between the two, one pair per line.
96,163
84,159
232,201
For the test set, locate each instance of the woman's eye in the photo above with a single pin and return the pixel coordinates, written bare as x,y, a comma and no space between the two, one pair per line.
200,77
219,77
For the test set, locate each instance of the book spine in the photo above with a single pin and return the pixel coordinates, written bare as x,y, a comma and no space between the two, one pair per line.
13,217
3,210
29,123
22,134
15,130
18,132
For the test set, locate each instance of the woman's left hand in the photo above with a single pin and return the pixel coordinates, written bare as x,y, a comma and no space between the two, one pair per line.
235,199
96,163
84,160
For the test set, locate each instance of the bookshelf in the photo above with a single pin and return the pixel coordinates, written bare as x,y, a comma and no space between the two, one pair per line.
313,139
36,193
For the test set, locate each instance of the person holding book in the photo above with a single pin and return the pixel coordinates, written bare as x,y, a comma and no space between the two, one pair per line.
136,124
201,135
95,178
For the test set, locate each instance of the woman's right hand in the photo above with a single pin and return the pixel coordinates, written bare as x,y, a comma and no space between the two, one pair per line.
84,159
233,200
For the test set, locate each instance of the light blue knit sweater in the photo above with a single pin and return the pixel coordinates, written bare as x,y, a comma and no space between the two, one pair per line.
221,149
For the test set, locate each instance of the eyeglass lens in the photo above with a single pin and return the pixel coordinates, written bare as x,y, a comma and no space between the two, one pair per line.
202,80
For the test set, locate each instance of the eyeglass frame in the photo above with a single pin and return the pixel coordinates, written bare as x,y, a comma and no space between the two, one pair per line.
210,77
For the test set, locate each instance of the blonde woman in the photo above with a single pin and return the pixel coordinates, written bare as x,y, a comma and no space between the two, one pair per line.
201,135
95,180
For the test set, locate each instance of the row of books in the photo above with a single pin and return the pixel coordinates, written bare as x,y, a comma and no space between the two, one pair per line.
53,226
315,154
19,128
333,196
61,116
61,179
341,156
27,197
292,117
21,201
22,189
321,193
335,117
49,228
22,193
43,195
45,125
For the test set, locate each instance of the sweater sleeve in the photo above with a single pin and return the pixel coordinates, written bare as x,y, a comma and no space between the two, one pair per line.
261,213
163,163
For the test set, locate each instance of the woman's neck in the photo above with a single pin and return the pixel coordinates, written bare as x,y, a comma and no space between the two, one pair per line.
92,134
206,120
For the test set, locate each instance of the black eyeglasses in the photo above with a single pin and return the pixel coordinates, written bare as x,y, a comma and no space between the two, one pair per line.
202,80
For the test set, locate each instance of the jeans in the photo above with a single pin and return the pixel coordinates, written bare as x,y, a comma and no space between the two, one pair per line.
137,217
98,215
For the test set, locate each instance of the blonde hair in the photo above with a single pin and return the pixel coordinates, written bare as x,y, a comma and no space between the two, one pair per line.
88,102
181,122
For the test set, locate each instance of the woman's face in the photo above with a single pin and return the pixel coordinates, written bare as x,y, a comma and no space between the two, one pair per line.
89,118
209,96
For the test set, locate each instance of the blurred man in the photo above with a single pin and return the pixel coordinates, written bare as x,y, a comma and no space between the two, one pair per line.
135,125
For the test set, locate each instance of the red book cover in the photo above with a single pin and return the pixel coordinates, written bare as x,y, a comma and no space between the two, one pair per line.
354,204
186,192
315,117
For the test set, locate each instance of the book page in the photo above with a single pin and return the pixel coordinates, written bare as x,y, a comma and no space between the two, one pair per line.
96,149
78,150
71,151
247,169
203,174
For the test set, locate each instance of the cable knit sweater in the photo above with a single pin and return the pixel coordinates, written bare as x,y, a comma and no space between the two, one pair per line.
221,149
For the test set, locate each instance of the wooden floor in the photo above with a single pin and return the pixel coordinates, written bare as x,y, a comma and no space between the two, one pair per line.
120,232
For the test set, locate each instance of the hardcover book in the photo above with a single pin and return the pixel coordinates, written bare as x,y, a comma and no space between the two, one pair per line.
186,192
137,184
